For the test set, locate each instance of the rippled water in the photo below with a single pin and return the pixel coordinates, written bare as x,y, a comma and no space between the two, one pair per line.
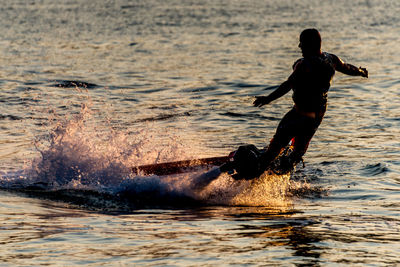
90,89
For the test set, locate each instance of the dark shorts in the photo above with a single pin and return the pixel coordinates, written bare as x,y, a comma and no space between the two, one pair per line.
297,126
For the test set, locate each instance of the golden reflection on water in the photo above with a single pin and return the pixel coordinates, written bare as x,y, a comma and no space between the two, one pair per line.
230,233
193,68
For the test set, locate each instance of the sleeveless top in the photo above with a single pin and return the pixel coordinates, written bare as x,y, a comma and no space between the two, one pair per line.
311,82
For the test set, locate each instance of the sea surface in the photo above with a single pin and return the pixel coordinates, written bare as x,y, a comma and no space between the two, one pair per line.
90,89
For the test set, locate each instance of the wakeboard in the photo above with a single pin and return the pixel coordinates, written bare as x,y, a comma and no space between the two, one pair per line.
243,163
176,167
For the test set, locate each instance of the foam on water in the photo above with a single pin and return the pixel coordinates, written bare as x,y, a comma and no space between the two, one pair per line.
79,154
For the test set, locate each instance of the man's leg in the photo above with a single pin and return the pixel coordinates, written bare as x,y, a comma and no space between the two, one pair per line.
284,133
303,137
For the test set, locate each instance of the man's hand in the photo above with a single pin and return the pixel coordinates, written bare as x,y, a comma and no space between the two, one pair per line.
364,72
280,91
261,101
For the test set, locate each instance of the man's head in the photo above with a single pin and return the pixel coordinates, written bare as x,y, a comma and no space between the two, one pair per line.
310,42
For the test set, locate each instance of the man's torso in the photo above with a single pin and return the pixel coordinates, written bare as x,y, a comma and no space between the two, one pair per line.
311,81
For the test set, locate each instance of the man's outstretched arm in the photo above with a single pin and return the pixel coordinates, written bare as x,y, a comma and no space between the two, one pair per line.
280,91
348,68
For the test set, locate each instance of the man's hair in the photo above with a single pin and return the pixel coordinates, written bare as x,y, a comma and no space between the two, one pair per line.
311,40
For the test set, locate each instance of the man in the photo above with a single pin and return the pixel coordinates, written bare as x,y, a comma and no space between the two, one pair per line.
310,82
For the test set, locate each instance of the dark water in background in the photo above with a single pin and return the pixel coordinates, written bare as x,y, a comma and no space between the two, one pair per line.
98,87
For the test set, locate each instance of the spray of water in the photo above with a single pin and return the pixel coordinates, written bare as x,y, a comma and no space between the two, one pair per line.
77,154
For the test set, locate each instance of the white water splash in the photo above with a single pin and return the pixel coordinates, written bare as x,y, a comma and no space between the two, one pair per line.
80,155
78,152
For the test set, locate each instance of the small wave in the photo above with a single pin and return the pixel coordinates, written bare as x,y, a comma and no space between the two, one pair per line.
74,84
229,34
201,89
10,117
242,85
374,169
164,117
247,85
248,115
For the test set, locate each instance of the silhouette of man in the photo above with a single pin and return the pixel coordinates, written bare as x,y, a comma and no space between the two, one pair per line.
310,82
